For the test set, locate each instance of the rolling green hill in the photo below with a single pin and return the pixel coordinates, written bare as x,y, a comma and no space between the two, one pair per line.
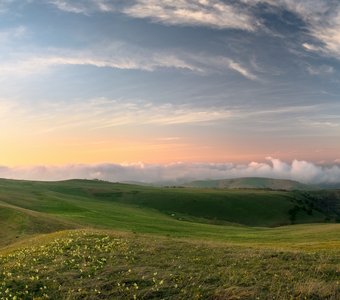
111,204
17,222
250,183
43,207
82,239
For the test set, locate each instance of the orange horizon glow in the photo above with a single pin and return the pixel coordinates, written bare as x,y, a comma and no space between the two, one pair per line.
63,152
74,135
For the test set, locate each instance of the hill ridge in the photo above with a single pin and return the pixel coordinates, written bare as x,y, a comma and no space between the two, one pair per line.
250,183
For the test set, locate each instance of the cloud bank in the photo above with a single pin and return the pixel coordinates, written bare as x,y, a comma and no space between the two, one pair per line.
302,171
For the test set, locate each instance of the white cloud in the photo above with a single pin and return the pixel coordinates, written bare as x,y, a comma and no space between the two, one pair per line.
96,114
302,171
210,13
321,17
325,124
310,47
329,35
99,114
241,69
320,70
119,56
83,7
324,25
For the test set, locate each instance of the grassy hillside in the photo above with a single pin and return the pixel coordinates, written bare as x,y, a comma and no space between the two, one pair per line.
106,265
250,183
134,242
39,207
16,222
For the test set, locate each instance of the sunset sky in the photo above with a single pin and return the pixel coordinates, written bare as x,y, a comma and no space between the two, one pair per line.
160,82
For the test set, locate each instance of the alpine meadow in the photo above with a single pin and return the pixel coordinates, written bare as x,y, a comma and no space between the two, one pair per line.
156,149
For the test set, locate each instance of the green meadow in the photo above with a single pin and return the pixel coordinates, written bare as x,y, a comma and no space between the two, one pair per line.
82,239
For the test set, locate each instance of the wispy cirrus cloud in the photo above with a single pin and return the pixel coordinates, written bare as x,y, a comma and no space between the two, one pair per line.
322,20
233,65
329,35
99,114
120,56
96,114
35,63
302,171
209,13
114,55
321,17
320,70
83,7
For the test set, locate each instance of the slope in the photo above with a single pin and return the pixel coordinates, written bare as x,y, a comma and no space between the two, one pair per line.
112,204
17,223
87,264
250,183
134,247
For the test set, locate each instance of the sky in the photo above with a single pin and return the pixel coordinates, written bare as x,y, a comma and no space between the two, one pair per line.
89,88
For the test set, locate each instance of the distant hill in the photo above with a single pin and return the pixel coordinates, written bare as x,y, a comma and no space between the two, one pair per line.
166,242
39,207
250,183
330,186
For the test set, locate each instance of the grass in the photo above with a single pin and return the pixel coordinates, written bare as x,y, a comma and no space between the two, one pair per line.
191,213
82,197
88,264
84,239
